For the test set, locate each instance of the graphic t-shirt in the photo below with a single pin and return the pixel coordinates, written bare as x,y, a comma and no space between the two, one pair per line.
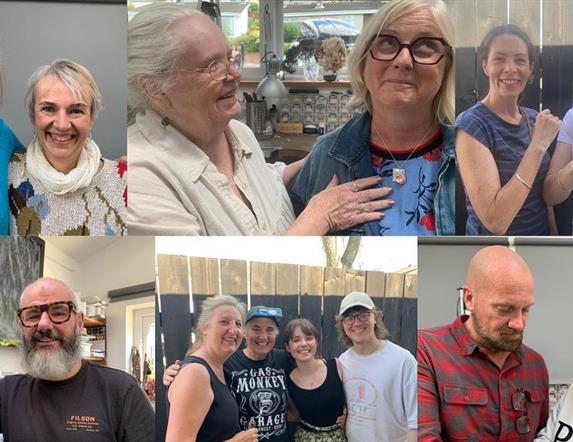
98,404
260,389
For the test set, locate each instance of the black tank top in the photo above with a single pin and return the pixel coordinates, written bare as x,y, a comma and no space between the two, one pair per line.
320,406
222,420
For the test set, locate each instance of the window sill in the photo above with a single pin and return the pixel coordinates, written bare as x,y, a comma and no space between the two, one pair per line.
303,84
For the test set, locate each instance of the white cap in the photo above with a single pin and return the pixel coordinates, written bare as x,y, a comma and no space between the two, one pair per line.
356,299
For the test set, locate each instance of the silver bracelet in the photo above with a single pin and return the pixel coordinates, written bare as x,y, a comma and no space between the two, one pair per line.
522,181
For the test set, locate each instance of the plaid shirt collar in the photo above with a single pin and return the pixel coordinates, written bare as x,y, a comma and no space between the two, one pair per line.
468,346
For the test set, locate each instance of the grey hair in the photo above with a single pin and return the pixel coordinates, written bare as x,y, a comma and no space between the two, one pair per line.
208,307
443,105
75,76
75,297
152,52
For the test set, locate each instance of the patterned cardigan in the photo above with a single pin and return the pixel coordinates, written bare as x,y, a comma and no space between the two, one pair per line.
99,209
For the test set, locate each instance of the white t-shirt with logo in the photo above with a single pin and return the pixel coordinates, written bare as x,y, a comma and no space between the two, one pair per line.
381,394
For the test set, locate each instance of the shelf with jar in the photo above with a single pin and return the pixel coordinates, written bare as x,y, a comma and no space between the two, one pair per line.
94,339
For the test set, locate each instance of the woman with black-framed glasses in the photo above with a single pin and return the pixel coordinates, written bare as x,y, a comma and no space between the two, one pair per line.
195,169
502,147
402,75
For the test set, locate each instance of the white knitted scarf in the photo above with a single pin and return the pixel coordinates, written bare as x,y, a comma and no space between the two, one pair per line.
57,182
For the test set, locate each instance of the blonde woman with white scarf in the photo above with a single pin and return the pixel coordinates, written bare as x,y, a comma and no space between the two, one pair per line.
61,185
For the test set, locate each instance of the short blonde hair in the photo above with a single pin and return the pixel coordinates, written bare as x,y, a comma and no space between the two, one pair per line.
75,76
208,307
443,106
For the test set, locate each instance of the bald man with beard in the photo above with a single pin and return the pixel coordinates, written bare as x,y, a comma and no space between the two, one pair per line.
62,397
477,381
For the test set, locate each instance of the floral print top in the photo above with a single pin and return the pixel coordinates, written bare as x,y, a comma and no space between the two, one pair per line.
99,209
413,211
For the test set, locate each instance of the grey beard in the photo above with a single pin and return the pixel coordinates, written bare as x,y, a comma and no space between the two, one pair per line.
506,341
51,365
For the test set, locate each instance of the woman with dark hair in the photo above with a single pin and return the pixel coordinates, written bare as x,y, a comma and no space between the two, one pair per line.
502,147
315,385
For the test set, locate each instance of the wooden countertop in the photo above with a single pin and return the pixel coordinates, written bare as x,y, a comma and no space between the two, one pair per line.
291,146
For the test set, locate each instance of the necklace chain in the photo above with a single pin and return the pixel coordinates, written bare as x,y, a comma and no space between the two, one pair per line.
399,173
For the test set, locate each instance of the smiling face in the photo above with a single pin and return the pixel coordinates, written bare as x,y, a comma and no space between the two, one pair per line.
50,350
196,99
507,66
260,336
361,328
224,331
301,346
62,121
401,83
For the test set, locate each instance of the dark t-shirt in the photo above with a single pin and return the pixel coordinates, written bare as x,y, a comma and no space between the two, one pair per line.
98,404
260,389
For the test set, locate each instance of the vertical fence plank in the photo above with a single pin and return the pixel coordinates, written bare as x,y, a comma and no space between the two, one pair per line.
409,323
375,284
354,281
204,282
286,289
311,290
393,305
333,294
234,278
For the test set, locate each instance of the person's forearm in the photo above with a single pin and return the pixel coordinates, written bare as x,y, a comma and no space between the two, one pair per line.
291,171
501,210
308,223
558,185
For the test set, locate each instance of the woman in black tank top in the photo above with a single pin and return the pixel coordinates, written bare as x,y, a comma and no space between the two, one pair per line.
315,386
202,408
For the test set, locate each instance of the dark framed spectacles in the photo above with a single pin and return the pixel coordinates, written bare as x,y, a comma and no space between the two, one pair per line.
423,50
519,401
58,312
362,317
219,69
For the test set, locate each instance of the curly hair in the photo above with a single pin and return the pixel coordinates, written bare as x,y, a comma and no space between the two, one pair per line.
380,329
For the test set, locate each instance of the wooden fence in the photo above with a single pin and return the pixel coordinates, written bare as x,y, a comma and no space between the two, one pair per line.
549,25
301,291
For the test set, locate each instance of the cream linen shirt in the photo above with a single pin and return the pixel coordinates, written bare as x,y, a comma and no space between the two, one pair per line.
175,190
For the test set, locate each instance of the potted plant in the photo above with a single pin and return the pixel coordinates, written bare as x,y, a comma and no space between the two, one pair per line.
304,49
331,55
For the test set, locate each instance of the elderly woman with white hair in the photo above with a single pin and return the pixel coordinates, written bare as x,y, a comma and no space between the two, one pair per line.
195,170
61,185
402,73
8,144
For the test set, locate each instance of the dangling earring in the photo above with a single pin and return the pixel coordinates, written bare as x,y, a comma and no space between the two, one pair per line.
165,122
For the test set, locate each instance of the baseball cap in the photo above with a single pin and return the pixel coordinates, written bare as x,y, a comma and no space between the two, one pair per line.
356,299
260,311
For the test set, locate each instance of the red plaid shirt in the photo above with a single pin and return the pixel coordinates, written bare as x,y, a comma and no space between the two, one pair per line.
463,395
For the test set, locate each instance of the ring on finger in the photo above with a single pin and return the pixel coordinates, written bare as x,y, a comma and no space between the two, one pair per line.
354,186
361,207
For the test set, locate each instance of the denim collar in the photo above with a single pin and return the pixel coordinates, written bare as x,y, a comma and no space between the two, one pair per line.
353,140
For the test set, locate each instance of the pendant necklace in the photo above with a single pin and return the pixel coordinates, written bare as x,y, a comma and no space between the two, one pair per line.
399,172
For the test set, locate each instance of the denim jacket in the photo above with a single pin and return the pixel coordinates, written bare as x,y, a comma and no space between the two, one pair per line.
346,153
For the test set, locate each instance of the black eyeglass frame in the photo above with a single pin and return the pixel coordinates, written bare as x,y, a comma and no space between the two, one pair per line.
521,395
351,317
46,308
409,47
